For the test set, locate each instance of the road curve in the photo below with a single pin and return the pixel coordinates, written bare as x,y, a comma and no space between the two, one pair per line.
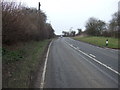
67,67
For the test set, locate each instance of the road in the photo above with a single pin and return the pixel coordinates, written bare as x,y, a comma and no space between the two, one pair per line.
74,64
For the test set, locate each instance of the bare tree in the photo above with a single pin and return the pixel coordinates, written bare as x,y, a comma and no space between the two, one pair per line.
95,27
114,25
24,24
79,31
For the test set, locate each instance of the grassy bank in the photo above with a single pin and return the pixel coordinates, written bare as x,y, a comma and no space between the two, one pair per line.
100,41
20,62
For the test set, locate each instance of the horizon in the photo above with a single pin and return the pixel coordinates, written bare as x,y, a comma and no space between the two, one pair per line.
63,16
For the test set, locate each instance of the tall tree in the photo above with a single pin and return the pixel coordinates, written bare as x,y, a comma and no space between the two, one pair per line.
79,31
72,33
114,24
95,27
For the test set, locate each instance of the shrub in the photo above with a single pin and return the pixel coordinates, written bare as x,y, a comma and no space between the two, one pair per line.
23,24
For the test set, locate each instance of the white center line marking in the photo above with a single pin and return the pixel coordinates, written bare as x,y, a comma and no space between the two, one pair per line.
92,55
78,48
108,67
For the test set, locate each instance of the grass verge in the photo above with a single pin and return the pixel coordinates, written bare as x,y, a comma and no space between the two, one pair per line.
100,41
20,64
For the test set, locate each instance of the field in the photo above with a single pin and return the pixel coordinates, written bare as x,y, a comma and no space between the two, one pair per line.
100,41
20,63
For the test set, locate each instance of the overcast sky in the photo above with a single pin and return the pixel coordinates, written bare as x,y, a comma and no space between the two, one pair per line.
64,14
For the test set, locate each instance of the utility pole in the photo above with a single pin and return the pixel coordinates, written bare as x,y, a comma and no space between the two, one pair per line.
39,21
39,6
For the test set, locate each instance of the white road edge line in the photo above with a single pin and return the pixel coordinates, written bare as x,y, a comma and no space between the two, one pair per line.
95,60
44,69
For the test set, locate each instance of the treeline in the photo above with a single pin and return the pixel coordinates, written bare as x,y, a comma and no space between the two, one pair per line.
97,27
20,23
69,34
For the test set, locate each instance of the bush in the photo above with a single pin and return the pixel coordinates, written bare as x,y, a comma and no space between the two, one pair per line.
23,24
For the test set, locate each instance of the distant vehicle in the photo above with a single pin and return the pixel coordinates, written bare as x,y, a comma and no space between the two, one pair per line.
61,36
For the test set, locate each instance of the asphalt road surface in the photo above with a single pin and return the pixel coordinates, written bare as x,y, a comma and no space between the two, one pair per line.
74,64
